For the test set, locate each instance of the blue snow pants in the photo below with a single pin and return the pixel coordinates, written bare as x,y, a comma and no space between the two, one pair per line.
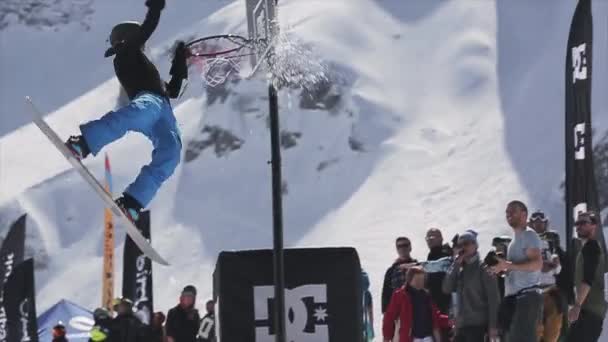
151,115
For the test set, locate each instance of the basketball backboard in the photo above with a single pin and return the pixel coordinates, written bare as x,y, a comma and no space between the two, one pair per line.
261,21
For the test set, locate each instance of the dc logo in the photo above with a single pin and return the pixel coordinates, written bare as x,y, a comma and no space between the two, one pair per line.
579,63
305,311
579,141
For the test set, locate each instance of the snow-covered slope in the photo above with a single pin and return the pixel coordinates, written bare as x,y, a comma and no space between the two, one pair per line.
448,110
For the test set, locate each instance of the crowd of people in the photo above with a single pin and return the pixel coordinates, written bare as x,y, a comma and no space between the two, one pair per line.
525,289
181,324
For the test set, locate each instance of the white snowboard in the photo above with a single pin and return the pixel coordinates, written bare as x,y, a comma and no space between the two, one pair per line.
134,233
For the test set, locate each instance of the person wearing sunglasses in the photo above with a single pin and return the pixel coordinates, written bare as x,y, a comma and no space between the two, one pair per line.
149,111
521,308
394,277
589,309
477,292
554,302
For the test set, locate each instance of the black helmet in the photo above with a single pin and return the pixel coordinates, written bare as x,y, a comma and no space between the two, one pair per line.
123,32
101,314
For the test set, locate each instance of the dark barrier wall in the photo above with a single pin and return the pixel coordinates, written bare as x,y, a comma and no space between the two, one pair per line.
322,296
137,273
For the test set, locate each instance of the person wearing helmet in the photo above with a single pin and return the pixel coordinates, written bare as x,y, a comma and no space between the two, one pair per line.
59,333
183,320
126,327
148,113
101,329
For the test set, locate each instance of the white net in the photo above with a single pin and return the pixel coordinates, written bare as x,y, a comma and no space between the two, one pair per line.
217,70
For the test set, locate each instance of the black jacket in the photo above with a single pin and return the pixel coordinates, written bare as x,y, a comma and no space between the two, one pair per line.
127,328
565,280
134,70
183,324
157,334
435,280
393,279
60,339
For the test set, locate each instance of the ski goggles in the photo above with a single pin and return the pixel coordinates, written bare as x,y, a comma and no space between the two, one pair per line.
536,217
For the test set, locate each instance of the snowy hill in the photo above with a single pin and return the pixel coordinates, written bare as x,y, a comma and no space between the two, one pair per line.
447,110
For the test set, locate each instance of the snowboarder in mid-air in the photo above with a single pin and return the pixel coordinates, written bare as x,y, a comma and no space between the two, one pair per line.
149,111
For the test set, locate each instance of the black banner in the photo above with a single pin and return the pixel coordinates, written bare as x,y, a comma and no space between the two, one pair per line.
323,295
137,273
20,303
11,255
581,189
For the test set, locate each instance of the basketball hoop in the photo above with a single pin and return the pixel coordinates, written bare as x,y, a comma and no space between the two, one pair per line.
221,57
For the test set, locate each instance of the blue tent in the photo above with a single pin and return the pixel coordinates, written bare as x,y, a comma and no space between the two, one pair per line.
77,320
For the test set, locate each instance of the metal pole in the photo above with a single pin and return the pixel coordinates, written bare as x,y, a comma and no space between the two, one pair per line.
277,214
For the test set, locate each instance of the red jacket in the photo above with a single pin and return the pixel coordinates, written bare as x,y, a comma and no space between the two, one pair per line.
400,308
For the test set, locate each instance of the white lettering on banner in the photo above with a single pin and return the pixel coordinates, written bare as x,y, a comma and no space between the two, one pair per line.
24,310
141,296
578,209
297,315
8,264
206,326
579,63
579,141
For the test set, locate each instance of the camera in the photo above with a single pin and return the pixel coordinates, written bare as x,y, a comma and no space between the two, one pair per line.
491,258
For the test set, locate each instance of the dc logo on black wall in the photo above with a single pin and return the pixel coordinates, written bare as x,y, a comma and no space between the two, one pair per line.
579,63
579,141
305,311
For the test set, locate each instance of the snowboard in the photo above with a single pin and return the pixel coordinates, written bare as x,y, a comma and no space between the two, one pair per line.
134,233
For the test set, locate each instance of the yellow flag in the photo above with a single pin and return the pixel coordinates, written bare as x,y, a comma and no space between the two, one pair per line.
108,248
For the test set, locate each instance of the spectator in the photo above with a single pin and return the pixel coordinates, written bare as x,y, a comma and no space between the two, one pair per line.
206,333
477,292
540,223
126,327
368,309
522,307
550,326
183,320
157,328
394,277
59,333
101,329
589,310
419,318
438,250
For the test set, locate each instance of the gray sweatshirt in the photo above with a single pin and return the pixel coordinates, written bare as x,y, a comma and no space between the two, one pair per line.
477,290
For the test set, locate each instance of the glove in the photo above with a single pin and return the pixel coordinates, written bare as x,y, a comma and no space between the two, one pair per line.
155,4
179,68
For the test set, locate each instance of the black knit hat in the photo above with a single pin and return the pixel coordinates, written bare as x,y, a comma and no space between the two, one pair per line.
189,290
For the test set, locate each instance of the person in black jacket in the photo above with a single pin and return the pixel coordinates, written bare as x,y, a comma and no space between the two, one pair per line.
148,113
183,320
103,323
394,277
438,250
126,327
